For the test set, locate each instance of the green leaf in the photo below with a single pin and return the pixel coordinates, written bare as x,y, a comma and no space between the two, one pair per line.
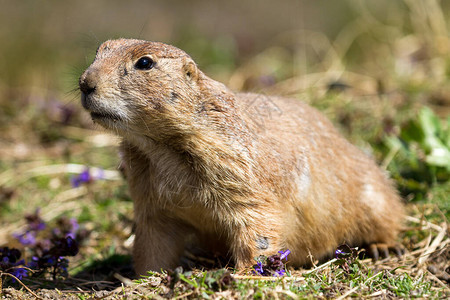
440,157
413,132
188,281
438,153
446,134
430,123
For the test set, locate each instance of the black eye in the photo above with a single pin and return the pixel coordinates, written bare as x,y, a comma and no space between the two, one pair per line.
144,63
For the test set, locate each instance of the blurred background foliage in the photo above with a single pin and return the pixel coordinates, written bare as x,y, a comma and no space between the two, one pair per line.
378,68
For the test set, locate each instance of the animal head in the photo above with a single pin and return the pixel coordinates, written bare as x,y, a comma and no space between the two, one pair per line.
141,87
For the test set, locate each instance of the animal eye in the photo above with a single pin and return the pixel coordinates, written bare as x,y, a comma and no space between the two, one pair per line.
144,63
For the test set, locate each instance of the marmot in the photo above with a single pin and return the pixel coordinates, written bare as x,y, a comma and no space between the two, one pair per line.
252,173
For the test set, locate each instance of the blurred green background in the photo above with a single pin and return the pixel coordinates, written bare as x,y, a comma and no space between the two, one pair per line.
46,44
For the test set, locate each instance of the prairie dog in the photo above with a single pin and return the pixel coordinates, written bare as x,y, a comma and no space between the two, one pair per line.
251,173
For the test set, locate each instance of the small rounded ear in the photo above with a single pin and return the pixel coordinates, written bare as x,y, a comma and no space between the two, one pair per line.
190,70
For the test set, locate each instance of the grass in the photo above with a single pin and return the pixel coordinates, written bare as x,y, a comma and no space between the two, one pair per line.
383,82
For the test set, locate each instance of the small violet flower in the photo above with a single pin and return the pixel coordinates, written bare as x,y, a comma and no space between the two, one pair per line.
27,239
74,228
34,263
9,263
259,268
284,254
345,252
280,272
83,177
19,273
34,221
70,246
8,257
50,252
38,226
5,263
272,265
86,177
338,252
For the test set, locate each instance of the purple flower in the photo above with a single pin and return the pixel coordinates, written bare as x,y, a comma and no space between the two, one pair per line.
74,224
5,263
274,262
83,177
63,263
338,252
74,228
19,273
272,265
49,252
47,260
63,247
28,238
259,268
35,223
345,252
86,177
56,231
9,257
280,272
34,263
284,254
38,226
71,246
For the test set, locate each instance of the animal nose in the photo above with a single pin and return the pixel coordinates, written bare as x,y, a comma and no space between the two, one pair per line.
88,82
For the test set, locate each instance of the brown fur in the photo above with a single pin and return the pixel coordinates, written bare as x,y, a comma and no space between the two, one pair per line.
231,168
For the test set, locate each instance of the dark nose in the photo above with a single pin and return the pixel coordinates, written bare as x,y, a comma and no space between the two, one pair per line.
88,82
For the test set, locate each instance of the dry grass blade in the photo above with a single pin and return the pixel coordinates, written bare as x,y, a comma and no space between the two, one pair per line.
268,278
72,168
445,286
348,293
287,293
322,266
21,283
434,245
184,295
424,223
124,280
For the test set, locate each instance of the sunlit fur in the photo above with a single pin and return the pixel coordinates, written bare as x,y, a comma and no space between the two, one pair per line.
231,167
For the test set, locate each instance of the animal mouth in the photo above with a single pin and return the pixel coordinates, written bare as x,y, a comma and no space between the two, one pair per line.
102,116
